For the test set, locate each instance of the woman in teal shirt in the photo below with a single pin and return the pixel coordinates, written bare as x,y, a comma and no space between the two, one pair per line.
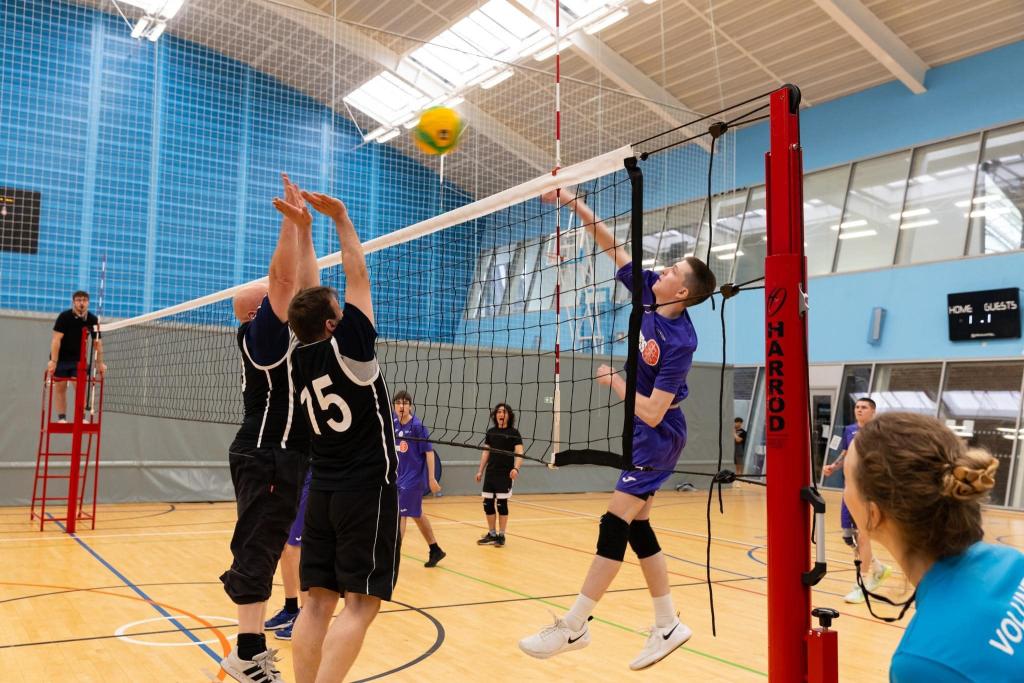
918,489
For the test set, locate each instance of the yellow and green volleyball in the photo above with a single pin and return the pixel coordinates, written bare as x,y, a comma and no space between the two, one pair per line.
438,130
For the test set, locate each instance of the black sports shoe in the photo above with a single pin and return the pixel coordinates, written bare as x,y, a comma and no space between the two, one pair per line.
435,557
489,538
499,541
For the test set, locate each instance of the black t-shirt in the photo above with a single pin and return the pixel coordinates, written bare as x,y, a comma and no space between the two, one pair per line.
739,446
71,326
343,396
271,407
502,440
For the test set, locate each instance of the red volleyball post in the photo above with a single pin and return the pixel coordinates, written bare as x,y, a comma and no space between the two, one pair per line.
788,463
81,376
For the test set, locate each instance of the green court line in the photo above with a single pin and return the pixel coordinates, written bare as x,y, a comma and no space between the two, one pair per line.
621,627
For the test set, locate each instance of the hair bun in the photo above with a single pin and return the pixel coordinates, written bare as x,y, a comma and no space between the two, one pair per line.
965,483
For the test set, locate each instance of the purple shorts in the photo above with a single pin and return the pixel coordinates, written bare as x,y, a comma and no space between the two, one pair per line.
658,447
410,503
845,518
295,535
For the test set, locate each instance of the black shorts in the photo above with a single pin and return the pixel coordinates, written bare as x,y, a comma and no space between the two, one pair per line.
350,541
67,369
267,485
497,484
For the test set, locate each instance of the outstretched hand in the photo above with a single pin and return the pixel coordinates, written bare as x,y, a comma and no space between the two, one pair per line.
327,205
564,195
293,206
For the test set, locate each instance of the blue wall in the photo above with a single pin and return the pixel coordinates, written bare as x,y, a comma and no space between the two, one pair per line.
162,159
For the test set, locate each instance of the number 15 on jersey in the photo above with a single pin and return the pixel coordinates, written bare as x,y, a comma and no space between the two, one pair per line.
326,400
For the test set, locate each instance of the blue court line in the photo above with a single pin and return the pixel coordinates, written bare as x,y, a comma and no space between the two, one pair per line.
138,591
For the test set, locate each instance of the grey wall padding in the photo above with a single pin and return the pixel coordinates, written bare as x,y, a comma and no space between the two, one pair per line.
157,459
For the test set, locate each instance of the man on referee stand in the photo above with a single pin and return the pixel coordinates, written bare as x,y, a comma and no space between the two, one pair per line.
66,346
270,454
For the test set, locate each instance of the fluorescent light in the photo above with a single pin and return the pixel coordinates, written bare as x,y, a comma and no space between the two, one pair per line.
496,79
411,123
390,135
977,200
607,21
849,224
919,224
157,9
455,101
728,257
157,31
991,212
859,233
140,27
376,133
724,247
910,214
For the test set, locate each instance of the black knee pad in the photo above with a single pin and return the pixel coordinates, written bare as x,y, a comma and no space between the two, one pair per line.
612,537
503,506
642,539
488,506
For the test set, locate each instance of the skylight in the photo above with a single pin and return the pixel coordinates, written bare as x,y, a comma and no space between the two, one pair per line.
388,99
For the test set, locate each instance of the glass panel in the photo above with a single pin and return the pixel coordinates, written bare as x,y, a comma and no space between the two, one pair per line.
729,214
823,205
494,284
995,211
910,388
756,432
754,239
684,220
932,226
867,233
856,380
980,402
524,267
476,290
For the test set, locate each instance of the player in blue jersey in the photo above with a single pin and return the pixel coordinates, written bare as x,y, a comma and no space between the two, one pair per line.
914,484
415,463
873,572
667,343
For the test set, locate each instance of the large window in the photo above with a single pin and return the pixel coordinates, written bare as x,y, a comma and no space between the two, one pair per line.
998,202
910,388
824,193
728,214
867,233
981,404
933,225
856,382
753,245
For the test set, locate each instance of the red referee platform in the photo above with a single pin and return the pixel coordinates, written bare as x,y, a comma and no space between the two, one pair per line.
59,460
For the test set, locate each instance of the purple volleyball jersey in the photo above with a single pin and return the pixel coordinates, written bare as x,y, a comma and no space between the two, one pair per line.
412,441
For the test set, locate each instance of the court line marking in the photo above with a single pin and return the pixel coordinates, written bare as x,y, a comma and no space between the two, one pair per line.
119,632
158,606
608,622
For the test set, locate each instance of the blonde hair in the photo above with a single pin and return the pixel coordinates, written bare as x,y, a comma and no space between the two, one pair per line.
923,477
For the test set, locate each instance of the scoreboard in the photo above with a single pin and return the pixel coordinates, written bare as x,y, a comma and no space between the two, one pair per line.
988,314
19,220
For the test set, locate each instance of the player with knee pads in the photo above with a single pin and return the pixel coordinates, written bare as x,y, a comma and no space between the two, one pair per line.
667,343
499,468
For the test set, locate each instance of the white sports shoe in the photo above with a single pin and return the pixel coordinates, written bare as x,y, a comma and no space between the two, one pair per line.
259,669
661,643
555,639
872,581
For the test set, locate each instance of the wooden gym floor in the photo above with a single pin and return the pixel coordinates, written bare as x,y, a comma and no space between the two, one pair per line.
138,598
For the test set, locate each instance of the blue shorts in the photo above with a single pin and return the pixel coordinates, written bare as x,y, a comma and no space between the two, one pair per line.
410,503
658,447
295,535
845,518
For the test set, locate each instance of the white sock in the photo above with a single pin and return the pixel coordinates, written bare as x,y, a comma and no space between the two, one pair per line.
664,611
580,612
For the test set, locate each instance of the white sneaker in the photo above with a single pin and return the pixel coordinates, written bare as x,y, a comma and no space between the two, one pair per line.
854,597
259,669
661,643
875,579
555,639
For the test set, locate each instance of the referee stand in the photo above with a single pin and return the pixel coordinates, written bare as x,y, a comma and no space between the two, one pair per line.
84,431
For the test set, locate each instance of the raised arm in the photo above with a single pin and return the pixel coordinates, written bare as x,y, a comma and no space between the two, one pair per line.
283,281
306,271
603,236
353,260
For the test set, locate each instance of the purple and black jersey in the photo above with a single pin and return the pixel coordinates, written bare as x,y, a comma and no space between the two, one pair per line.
849,432
412,441
666,344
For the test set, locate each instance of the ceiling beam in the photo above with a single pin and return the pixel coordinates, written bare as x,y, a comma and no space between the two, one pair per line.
879,40
361,44
620,71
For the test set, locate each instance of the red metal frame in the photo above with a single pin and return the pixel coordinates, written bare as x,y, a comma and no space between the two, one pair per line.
80,431
787,408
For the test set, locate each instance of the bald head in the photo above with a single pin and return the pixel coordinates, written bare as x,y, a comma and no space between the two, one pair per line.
248,300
